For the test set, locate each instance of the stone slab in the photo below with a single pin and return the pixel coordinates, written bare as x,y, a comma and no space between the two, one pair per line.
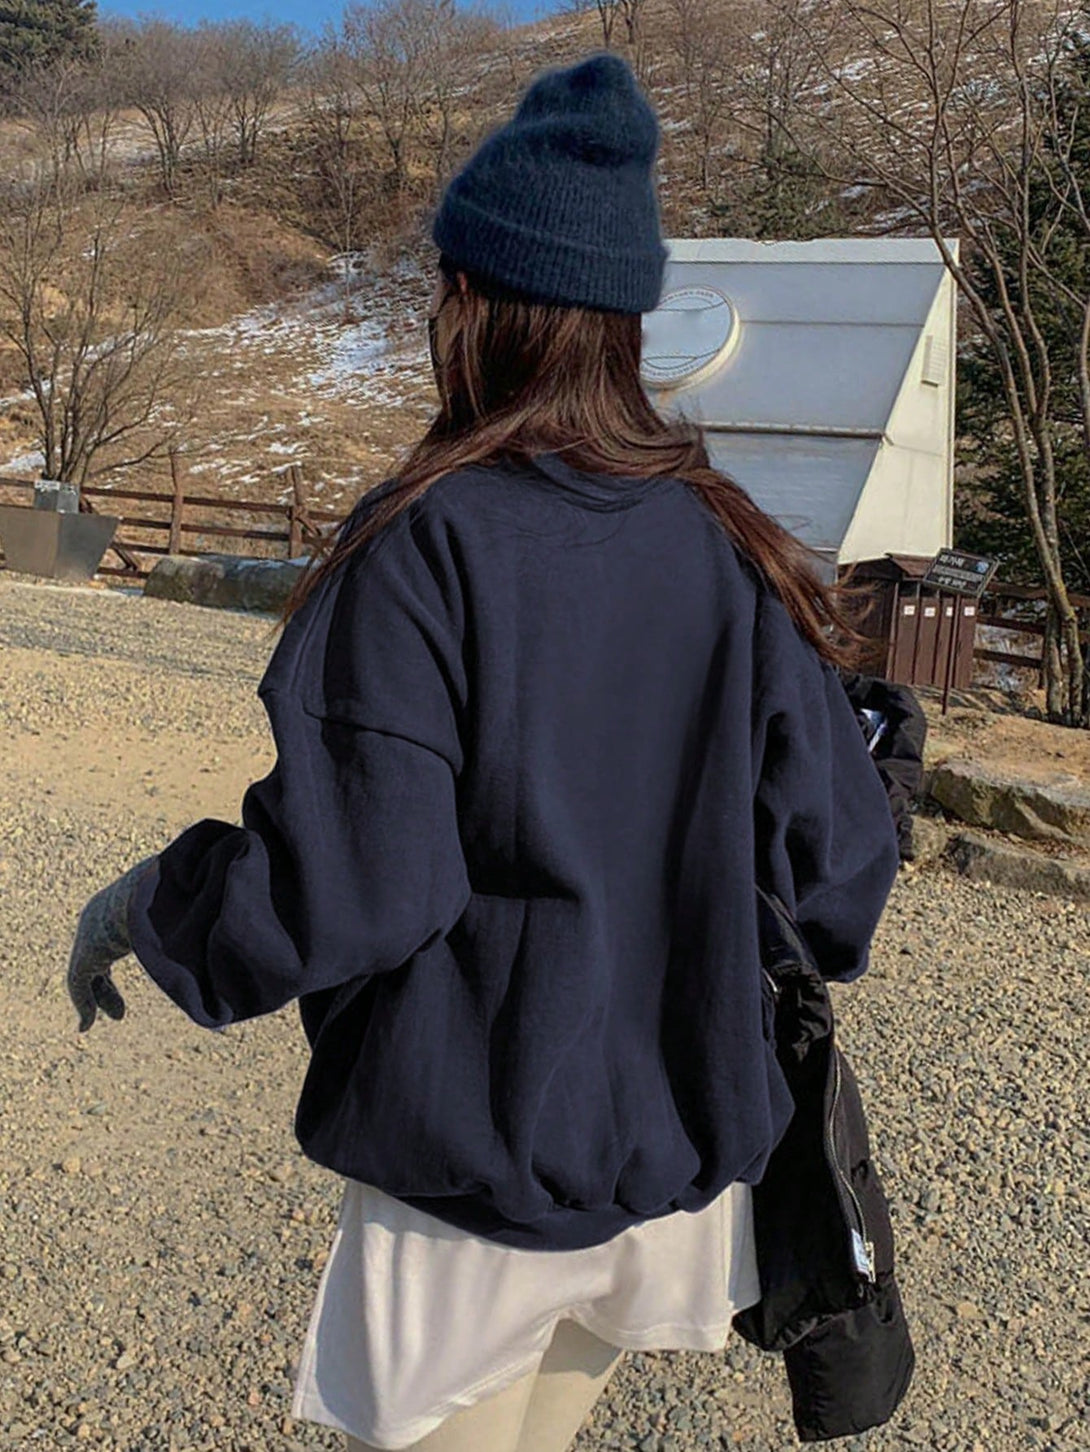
224,582
1053,811
978,857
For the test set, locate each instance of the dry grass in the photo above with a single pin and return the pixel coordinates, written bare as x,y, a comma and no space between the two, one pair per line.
296,382
272,376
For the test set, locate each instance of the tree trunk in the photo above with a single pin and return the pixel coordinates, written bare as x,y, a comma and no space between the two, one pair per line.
1052,665
1074,672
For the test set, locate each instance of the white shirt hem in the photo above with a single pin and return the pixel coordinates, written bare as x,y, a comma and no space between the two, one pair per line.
308,1407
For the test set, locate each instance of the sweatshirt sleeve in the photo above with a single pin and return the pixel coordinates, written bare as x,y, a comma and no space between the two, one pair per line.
348,859
825,837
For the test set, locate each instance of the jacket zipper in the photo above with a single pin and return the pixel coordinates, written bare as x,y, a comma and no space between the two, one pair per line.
862,1245
865,1249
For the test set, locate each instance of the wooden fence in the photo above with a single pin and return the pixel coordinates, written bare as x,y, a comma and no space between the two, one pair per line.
187,524
192,517
996,607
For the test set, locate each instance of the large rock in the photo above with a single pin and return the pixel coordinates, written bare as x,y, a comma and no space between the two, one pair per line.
1007,866
1054,811
224,581
930,839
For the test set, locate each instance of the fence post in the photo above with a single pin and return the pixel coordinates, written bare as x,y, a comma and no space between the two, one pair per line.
176,504
297,513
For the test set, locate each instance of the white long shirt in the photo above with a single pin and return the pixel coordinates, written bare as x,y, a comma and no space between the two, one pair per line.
415,1318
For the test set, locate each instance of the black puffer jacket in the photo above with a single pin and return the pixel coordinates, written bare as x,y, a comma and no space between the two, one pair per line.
898,754
829,1301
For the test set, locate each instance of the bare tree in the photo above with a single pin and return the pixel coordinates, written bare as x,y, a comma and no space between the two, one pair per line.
156,71
632,14
257,65
700,39
456,46
629,15
72,107
609,12
949,113
389,42
779,52
783,53
211,104
91,295
334,114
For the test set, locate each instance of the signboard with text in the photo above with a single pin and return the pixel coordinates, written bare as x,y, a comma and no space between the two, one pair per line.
959,573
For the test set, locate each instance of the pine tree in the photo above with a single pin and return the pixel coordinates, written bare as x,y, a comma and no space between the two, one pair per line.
792,199
779,197
35,34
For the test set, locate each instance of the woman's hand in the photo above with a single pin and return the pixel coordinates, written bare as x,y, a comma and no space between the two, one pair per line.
102,937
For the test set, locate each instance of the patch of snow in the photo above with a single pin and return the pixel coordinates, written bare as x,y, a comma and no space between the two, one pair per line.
34,460
12,400
355,350
855,70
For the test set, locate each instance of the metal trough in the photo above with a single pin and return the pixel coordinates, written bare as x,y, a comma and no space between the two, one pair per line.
51,538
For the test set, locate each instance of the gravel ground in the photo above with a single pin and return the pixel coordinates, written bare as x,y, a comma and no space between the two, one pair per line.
162,1236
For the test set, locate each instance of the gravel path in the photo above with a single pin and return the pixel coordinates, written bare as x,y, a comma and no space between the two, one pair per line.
161,1235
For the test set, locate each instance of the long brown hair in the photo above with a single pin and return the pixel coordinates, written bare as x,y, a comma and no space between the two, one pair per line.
520,378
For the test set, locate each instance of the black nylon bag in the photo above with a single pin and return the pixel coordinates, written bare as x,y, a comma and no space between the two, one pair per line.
851,1372
824,1238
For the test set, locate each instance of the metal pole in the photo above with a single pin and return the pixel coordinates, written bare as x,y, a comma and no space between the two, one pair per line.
951,652
894,632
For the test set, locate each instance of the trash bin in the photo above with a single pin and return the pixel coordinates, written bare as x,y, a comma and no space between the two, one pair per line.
52,538
915,622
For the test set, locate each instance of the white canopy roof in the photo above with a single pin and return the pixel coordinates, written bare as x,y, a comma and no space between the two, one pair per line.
823,375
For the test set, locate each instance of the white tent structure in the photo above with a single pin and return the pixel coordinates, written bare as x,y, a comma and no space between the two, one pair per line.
823,375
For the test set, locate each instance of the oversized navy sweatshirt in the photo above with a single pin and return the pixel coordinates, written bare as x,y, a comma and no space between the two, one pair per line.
534,741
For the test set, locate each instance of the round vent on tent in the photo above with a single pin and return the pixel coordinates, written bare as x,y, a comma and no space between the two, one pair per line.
690,334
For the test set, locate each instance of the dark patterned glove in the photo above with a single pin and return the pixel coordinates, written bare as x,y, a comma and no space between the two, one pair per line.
102,937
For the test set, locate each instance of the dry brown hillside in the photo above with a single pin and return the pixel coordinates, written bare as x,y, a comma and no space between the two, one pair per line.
278,353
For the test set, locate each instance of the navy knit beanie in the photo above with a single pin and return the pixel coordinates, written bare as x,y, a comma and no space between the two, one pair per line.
559,204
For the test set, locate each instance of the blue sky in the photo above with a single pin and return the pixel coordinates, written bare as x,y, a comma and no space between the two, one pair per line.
307,14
